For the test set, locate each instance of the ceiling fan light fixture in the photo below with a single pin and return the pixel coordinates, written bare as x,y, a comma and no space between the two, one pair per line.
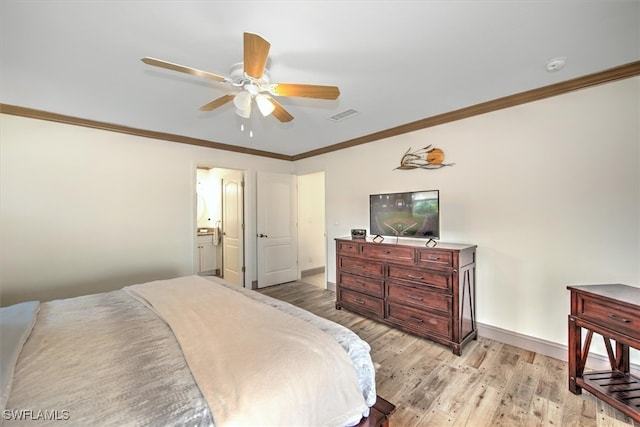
266,107
242,102
245,114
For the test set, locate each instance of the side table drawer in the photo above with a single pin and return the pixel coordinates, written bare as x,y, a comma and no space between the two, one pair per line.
365,285
611,316
359,302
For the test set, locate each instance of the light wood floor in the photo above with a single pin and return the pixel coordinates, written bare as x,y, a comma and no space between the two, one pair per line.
491,384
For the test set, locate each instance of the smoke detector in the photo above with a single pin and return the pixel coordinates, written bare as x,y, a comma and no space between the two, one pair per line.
556,64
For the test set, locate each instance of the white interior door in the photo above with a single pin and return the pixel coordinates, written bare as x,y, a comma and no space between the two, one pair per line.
276,228
233,227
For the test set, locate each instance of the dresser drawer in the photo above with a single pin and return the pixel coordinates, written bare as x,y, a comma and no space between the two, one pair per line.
358,302
435,258
422,321
362,267
389,252
438,280
365,285
610,315
349,248
419,297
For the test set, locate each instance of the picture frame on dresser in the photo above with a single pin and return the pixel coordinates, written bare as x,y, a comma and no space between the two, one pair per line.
427,291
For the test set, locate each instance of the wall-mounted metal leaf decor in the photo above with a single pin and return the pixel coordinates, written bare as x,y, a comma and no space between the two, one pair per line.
424,158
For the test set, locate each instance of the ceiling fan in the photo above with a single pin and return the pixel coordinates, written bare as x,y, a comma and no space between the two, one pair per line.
253,79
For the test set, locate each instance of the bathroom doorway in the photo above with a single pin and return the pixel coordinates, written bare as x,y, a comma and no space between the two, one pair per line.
220,223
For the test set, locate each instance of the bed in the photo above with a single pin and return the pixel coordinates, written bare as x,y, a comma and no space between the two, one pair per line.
190,351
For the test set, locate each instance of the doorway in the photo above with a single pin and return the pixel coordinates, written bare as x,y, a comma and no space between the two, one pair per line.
276,222
312,237
220,223
291,238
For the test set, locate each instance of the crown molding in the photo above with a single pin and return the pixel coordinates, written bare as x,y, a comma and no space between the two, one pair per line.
613,74
618,73
70,120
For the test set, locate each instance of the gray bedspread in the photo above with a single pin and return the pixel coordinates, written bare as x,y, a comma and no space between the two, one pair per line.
108,360
103,360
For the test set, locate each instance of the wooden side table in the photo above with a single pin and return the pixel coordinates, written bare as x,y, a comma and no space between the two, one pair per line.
612,311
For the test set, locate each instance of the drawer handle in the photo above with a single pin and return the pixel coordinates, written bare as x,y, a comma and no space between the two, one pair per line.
415,298
361,284
417,319
619,319
358,301
434,258
410,276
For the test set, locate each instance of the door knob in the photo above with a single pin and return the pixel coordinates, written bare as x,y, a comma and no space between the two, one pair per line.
262,235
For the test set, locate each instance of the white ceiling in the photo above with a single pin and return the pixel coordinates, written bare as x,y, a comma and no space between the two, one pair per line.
394,61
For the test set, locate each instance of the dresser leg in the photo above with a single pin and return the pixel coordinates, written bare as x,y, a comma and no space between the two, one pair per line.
456,349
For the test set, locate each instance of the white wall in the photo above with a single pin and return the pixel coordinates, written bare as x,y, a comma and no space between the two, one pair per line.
209,198
84,210
549,191
311,233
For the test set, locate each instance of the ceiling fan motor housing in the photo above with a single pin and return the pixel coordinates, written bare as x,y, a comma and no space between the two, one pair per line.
239,78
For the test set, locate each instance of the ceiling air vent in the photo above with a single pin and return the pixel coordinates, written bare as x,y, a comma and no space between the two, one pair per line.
344,115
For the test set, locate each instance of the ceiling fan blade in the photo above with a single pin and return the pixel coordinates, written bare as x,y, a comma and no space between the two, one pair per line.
217,102
280,113
306,91
176,67
256,52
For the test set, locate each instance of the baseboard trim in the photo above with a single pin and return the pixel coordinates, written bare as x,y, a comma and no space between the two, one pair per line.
331,286
544,347
312,271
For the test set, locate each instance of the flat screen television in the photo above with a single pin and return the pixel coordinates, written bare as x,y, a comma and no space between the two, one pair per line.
411,214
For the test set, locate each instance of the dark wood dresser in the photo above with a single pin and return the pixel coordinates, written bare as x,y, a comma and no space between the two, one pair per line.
426,291
612,311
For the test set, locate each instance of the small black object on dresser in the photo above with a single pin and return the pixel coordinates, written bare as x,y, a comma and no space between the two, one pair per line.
429,292
358,233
